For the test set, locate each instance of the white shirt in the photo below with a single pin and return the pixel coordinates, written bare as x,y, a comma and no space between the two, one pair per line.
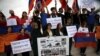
83,29
50,33
61,34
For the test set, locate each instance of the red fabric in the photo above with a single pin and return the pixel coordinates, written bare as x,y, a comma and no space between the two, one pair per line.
85,44
46,2
31,5
21,37
22,21
84,35
75,6
16,17
2,23
63,3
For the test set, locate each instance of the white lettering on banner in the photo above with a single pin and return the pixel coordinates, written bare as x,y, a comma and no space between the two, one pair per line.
54,21
21,46
57,45
71,30
11,22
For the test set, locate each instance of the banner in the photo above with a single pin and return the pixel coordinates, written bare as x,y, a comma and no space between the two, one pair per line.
71,30
11,22
54,21
21,46
53,46
87,3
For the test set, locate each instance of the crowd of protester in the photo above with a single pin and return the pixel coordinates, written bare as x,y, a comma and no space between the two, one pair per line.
37,26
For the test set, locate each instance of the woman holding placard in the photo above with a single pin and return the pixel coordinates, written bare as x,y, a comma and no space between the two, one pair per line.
23,35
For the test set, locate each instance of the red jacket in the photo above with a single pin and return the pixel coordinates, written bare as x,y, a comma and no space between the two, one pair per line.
21,37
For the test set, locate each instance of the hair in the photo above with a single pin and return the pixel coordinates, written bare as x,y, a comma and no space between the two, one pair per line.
37,11
53,8
83,23
49,24
58,26
3,16
23,13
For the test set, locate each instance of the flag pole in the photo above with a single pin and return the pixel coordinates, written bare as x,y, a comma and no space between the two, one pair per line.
56,5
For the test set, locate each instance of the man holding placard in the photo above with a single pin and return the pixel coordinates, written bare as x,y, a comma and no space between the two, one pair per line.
13,16
13,20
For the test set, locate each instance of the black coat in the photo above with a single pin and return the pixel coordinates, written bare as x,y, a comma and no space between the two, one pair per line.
35,33
57,33
47,34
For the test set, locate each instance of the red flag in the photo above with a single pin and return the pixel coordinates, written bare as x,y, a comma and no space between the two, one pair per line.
31,5
40,4
63,3
75,6
46,2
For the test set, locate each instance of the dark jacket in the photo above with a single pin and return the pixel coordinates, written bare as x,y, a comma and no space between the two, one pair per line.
35,33
47,34
57,33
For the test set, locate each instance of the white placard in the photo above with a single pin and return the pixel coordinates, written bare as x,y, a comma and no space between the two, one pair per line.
54,21
11,22
71,30
21,46
58,45
87,3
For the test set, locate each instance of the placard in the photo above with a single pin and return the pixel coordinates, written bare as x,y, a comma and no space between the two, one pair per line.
71,30
11,22
54,21
21,46
53,46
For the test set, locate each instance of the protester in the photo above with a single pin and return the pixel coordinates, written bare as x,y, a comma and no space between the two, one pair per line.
23,18
35,33
69,22
83,29
44,17
15,28
13,16
91,19
23,35
53,12
35,16
3,27
59,30
61,14
13,37
48,32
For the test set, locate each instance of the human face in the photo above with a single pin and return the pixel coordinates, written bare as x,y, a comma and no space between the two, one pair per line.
11,12
24,14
